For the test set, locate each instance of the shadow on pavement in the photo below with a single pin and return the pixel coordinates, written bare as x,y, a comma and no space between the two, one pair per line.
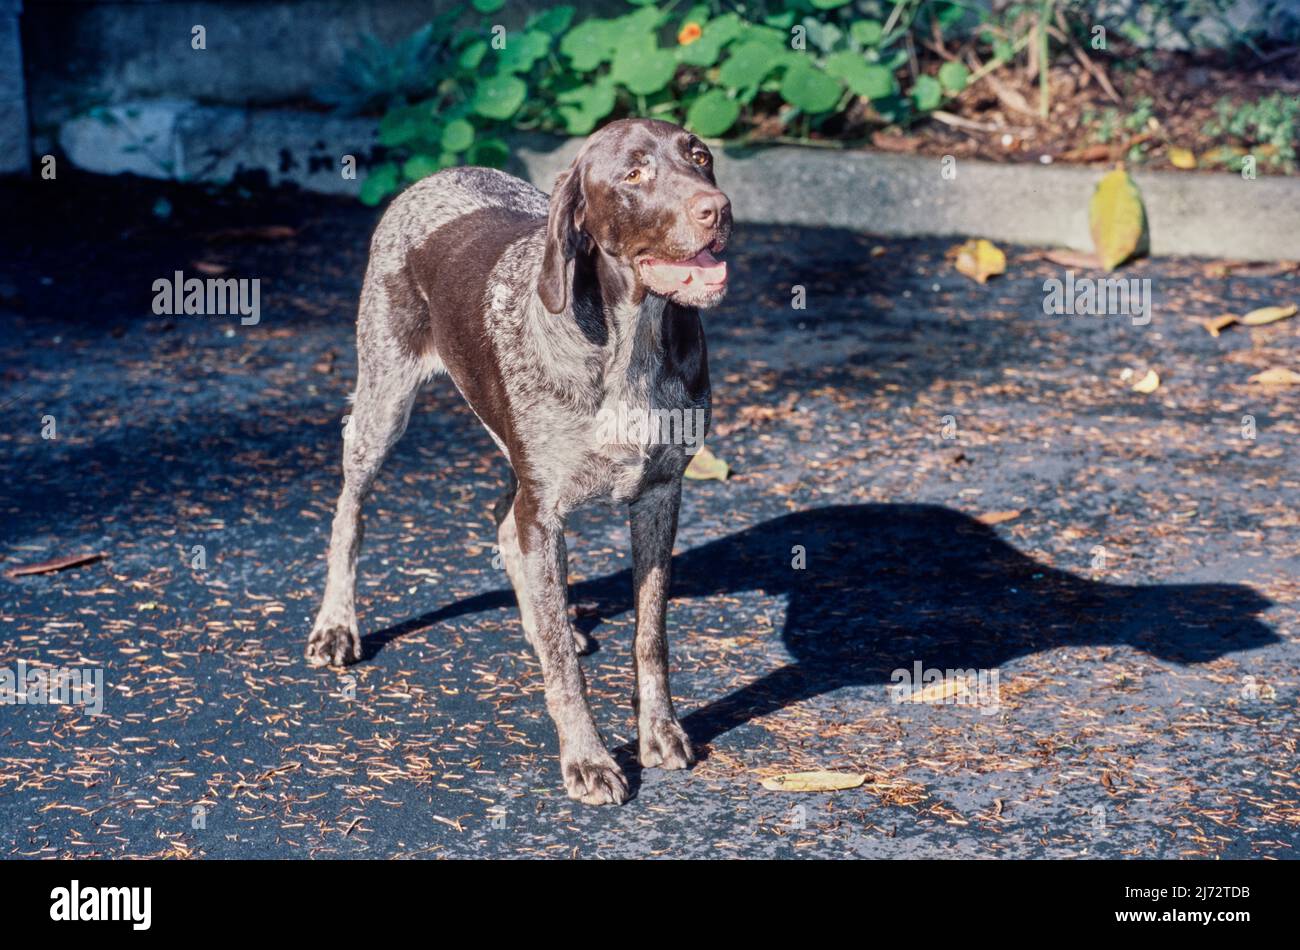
886,586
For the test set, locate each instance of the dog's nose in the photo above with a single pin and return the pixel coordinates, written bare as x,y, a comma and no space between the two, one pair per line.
709,208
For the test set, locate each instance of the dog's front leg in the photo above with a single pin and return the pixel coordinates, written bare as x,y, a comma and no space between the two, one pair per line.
589,771
661,739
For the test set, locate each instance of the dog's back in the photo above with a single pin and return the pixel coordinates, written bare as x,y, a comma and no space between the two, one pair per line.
443,199
431,267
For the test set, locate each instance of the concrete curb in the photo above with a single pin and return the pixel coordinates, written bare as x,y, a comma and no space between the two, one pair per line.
1196,214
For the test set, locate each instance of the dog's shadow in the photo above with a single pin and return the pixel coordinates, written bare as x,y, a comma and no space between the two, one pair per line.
884,586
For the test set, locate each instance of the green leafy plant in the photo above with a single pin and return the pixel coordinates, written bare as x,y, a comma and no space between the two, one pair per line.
1268,127
1111,124
450,94
479,82
375,76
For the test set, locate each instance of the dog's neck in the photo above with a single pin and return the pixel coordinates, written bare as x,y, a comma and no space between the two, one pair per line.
630,322
606,346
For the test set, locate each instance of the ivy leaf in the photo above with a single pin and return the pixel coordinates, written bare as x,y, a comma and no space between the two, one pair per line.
828,4
553,21
809,89
717,33
927,93
379,184
583,106
406,125
457,136
865,79
499,97
471,56
523,50
1117,219
422,166
489,152
823,36
642,66
712,113
747,66
866,33
590,43
487,6
953,77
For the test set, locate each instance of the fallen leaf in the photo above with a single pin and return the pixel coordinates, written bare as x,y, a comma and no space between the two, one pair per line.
58,564
705,465
894,143
1148,383
814,781
1117,219
1181,157
1277,376
1217,324
326,363
980,259
1089,153
997,517
266,232
1268,269
1257,318
1079,259
936,692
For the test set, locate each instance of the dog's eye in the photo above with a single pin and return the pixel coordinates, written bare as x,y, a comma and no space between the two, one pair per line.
700,158
633,176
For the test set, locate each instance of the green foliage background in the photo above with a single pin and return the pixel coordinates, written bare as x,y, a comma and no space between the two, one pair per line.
450,93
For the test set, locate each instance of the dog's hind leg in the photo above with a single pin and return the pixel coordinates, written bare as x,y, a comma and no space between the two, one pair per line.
387,382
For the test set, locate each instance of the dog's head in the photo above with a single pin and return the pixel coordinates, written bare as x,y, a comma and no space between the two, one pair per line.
640,195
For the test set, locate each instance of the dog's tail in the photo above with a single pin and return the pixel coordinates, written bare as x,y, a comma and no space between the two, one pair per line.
502,507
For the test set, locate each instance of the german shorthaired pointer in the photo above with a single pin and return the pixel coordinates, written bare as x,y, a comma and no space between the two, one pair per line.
549,316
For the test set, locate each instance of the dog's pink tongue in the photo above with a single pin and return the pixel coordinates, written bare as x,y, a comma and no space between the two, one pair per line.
703,268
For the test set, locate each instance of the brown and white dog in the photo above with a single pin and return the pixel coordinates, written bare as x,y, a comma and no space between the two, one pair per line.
549,316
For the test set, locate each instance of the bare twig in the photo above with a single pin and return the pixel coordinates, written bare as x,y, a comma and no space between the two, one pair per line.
959,122
1093,70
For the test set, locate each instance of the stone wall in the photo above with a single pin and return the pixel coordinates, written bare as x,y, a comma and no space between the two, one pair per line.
16,151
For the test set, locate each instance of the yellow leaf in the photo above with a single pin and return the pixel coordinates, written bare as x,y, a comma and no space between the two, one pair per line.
814,781
1148,383
1219,323
997,517
937,692
1277,376
1181,157
1257,318
980,260
705,465
1117,219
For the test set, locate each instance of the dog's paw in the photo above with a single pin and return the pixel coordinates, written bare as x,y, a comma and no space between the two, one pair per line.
582,643
664,745
595,781
333,645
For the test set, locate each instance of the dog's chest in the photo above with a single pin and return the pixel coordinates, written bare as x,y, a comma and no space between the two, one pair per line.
641,437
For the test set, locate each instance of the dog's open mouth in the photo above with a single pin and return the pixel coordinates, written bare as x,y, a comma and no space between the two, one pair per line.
703,272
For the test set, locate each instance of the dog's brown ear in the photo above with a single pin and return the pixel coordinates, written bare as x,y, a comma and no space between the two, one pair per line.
563,240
